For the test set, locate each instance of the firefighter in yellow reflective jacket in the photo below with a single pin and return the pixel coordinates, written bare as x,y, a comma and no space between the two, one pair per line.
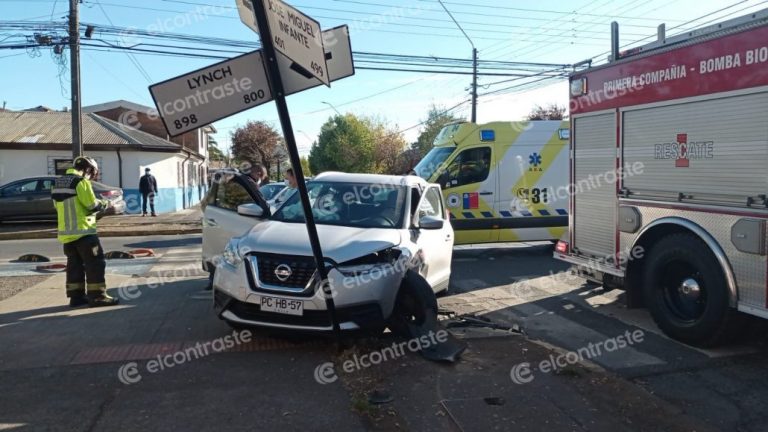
76,207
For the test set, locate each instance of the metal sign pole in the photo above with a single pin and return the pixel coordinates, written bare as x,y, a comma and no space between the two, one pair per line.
276,82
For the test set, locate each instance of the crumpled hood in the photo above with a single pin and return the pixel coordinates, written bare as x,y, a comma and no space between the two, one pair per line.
339,243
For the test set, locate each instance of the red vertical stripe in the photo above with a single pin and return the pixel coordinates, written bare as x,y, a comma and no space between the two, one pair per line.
618,183
572,182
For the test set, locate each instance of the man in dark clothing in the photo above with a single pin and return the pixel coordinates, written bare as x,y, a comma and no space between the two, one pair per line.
258,174
257,177
148,189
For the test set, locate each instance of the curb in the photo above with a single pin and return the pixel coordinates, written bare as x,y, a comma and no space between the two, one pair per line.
30,235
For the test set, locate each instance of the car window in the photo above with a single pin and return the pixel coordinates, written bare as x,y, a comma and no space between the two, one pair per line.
357,205
469,166
231,194
46,185
431,205
21,188
270,190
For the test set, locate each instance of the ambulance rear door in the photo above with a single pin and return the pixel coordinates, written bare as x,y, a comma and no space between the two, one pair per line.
533,199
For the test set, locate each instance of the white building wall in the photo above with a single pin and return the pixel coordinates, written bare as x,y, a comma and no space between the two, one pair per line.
170,170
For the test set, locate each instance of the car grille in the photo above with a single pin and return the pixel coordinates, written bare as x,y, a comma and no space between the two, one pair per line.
302,270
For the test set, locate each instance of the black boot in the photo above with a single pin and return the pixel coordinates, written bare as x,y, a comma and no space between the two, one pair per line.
78,300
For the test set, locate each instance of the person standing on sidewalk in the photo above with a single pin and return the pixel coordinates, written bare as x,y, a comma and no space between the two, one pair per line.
148,189
76,210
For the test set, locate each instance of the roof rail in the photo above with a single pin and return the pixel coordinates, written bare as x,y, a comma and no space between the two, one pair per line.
754,18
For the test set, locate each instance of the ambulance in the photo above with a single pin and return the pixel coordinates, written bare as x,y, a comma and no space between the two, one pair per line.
677,131
502,181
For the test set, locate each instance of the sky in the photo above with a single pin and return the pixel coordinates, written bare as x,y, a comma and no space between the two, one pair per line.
545,31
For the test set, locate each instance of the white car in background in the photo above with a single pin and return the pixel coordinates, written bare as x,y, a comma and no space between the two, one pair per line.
387,243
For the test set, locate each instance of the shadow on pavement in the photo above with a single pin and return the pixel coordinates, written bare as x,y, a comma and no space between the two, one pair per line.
167,243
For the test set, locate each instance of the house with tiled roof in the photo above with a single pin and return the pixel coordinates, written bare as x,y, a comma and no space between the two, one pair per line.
40,143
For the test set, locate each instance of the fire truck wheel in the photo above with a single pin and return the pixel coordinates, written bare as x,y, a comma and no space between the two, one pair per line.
686,291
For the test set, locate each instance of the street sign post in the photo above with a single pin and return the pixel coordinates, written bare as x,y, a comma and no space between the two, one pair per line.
297,36
261,13
199,98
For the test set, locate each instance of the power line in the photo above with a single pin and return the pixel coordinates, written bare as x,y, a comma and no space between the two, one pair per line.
497,7
131,57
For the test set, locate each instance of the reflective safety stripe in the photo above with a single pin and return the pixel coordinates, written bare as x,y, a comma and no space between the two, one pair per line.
76,286
79,232
64,191
70,215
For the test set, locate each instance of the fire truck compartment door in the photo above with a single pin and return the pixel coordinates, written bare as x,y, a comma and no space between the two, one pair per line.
595,198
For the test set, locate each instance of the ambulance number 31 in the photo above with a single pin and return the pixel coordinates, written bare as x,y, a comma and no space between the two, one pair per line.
539,195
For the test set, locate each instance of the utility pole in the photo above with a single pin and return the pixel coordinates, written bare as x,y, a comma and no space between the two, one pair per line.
74,50
474,84
474,63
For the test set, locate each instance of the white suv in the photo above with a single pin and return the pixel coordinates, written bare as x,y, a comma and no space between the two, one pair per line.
375,232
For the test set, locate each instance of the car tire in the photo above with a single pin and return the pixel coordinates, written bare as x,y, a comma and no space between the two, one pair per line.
211,274
685,289
415,304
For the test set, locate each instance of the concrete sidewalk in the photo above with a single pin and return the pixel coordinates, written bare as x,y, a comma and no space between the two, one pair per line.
188,221
65,369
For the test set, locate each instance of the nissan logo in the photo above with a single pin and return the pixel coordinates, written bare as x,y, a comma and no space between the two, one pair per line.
283,272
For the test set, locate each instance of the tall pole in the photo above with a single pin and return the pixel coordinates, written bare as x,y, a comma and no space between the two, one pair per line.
474,85
278,92
74,50
474,62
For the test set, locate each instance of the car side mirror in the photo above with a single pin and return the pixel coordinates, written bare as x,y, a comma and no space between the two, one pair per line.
250,210
431,223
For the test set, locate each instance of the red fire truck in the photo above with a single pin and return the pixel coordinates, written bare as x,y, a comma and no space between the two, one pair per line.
669,177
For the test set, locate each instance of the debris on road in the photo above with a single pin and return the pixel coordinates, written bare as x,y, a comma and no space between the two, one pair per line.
32,258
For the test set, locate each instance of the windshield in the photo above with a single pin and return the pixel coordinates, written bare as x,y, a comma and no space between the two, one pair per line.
270,190
359,205
432,161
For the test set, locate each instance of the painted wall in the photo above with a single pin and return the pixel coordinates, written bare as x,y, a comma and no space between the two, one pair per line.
179,181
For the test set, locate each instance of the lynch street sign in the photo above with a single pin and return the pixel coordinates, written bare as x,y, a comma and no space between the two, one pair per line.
298,37
199,98
338,55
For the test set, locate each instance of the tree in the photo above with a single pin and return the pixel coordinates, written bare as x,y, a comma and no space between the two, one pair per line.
346,143
406,161
389,144
551,112
214,152
256,142
305,167
437,118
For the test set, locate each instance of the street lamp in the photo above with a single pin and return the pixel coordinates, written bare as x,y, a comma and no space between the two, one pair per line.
332,107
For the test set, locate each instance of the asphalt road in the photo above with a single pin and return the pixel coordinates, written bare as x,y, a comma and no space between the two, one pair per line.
507,284
12,249
524,285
